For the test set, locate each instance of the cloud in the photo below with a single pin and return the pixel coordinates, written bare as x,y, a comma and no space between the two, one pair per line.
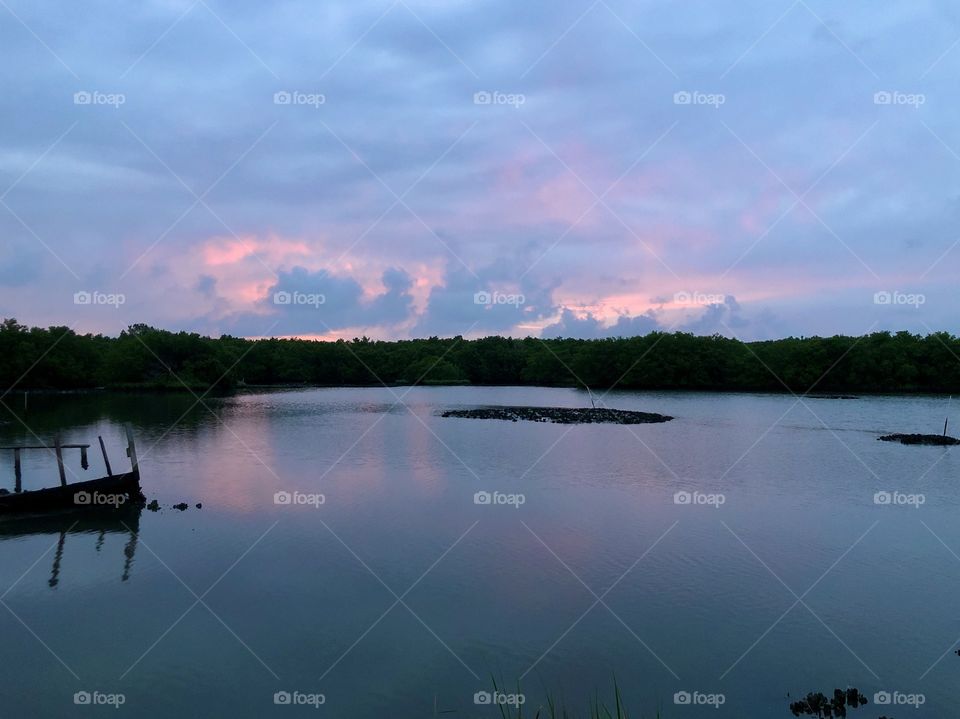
590,327
207,286
598,183
719,318
726,318
305,302
20,263
491,299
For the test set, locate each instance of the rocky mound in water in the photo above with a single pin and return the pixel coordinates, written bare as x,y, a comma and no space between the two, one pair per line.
937,440
560,415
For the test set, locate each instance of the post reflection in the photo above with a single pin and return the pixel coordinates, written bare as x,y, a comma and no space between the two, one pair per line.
79,524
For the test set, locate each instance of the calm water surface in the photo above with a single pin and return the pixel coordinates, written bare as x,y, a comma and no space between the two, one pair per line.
399,596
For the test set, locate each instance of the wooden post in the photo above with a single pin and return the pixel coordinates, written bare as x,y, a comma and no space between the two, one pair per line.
132,448
18,486
59,451
945,426
106,460
84,463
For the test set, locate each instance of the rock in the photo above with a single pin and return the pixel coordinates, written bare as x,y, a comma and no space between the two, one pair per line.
183,506
199,505
559,415
154,506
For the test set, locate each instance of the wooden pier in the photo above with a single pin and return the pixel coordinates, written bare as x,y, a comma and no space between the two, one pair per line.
68,495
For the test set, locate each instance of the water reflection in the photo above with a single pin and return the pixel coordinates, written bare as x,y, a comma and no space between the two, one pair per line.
84,523
399,490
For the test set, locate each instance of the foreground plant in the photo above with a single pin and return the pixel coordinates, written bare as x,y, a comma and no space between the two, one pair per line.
819,705
557,710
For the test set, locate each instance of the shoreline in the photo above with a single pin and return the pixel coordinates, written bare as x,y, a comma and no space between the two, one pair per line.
839,395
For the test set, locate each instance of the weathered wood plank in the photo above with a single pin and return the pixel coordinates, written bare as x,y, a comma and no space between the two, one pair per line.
131,448
47,446
58,448
106,459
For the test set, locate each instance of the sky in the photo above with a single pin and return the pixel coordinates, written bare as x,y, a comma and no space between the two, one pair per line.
411,168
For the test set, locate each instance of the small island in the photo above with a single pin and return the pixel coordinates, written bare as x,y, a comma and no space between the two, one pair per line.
934,440
560,415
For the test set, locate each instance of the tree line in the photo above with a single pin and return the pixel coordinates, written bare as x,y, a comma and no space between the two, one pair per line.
144,357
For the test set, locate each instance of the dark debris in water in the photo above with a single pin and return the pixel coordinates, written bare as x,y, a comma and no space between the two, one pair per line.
154,506
935,440
559,415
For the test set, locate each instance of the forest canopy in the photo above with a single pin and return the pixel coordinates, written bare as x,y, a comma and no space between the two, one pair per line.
149,358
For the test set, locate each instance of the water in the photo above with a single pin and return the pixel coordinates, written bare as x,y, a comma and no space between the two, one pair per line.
398,596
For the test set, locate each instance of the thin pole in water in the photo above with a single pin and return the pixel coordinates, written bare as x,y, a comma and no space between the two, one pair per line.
947,419
63,476
106,459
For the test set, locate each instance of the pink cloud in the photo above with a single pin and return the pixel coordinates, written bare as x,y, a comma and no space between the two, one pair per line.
272,250
535,186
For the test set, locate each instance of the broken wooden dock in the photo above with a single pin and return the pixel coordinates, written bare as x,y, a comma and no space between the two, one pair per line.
112,490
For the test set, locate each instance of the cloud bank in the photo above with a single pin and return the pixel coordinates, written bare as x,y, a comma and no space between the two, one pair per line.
426,166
